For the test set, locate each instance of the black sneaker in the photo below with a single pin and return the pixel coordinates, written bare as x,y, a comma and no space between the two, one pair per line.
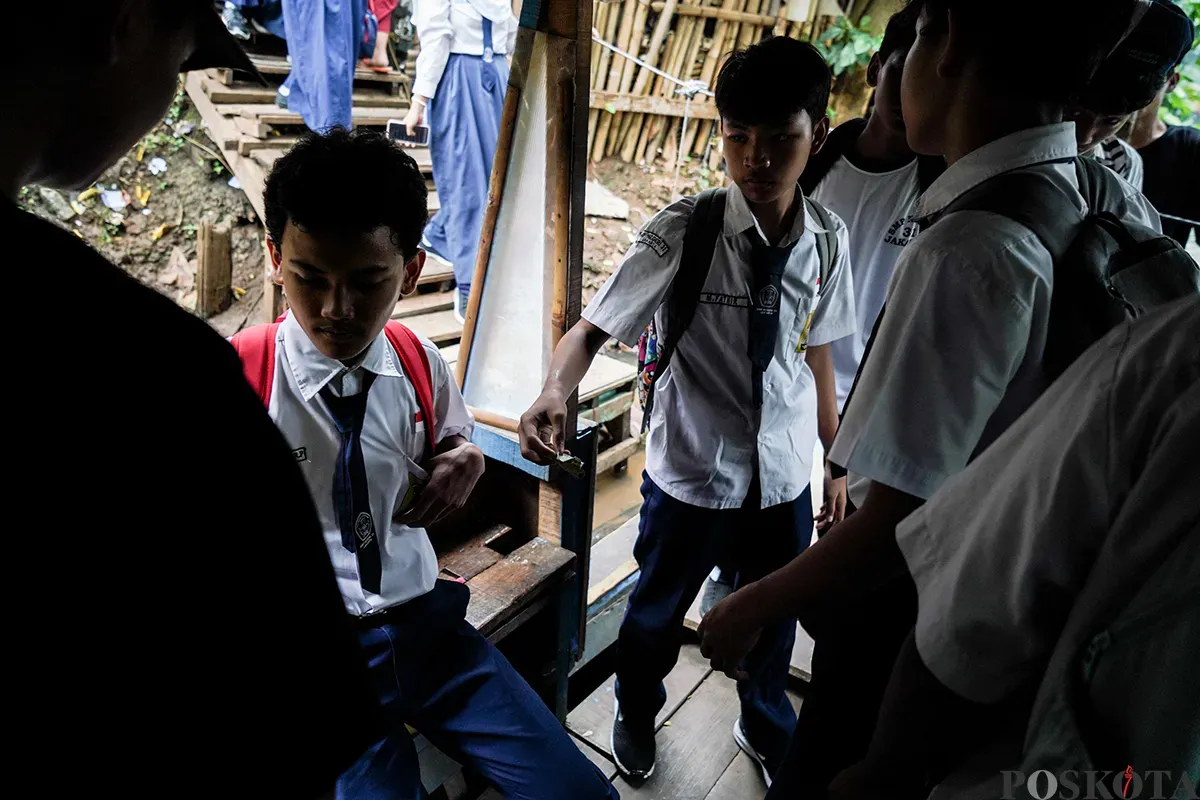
717,586
743,742
632,745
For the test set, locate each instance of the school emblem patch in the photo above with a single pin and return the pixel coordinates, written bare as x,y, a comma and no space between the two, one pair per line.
768,297
364,528
300,454
654,242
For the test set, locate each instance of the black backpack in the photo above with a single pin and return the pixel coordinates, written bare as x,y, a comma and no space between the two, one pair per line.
1107,270
699,242
840,140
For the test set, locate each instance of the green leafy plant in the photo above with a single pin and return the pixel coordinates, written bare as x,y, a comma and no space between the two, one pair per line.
845,45
1182,106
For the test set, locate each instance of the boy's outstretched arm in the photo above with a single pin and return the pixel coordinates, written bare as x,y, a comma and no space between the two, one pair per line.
861,551
820,361
541,429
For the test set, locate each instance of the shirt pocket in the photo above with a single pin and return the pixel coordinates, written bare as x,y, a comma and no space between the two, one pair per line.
802,310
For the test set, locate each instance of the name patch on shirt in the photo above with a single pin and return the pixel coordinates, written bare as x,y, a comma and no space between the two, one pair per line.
901,232
300,454
736,301
654,242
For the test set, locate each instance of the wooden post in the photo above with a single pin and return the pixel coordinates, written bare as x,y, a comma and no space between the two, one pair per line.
214,269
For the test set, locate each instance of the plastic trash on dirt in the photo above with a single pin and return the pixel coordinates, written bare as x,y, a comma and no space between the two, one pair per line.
157,165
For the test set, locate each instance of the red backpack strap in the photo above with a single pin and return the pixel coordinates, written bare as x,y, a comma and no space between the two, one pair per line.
415,363
256,348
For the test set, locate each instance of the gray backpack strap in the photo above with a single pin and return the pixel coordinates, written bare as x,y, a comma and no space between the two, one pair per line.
827,242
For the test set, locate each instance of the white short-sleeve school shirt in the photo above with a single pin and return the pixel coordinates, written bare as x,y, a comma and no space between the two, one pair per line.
706,437
1034,549
958,355
877,208
456,26
393,441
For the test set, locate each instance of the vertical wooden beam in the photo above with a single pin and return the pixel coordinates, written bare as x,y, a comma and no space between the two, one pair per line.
214,269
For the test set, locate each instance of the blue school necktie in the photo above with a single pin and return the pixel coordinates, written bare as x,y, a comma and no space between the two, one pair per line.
767,264
351,498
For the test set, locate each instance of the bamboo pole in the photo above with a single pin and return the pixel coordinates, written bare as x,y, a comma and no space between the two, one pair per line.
517,76
711,61
751,33
689,71
641,87
600,15
615,71
709,12
600,75
620,123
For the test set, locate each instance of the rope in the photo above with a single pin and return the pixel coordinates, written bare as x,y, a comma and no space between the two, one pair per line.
688,89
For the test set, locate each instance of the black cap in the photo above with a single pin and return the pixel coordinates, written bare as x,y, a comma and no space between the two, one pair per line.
1129,79
215,45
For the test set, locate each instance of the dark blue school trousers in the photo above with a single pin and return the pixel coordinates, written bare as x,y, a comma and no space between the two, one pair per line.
435,672
677,546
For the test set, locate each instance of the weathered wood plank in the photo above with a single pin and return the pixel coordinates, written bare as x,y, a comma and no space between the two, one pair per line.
469,558
610,409
499,593
621,451
604,374
601,761
274,65
695,751
438,327
668,106
250,93
740,781
592,719
248,144
423,304
435,271
274,115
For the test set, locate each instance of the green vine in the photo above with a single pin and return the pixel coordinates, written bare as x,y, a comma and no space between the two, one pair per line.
1182,106
845,45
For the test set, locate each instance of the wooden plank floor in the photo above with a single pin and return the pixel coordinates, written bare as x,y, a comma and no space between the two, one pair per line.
697,757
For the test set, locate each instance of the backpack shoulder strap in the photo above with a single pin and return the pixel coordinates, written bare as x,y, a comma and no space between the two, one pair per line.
1030,199
415,363
699,242
839,141
256,348
827,241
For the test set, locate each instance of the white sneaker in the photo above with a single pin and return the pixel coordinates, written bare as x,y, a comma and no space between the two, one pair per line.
743,743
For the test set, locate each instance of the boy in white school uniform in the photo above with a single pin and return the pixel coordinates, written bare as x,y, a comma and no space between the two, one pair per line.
869,177
382,435
736,412
957,355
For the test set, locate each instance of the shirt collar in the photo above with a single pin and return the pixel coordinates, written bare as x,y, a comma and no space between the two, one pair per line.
1021,149
739,218
313,370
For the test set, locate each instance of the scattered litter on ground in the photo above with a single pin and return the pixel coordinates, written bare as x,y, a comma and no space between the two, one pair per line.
58,204
158,165
235,183
114,199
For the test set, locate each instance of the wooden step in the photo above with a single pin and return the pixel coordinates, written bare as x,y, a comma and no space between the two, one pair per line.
275,65
423,304
249,93
249,145
272,114
440,327
435,271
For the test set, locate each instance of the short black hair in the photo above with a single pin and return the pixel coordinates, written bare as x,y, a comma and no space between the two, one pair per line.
770,81
1043,50
348,183
1130,77
901,30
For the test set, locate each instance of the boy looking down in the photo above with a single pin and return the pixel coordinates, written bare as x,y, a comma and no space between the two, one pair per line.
382,435
736,413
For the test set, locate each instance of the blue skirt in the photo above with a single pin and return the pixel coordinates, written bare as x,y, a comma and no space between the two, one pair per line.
464,123
323,42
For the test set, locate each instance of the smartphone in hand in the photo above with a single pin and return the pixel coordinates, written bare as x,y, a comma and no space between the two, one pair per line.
397,131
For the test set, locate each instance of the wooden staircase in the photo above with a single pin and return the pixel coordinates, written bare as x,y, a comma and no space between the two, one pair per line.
252,133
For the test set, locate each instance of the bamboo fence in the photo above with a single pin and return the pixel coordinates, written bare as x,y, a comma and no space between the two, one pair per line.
637,115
